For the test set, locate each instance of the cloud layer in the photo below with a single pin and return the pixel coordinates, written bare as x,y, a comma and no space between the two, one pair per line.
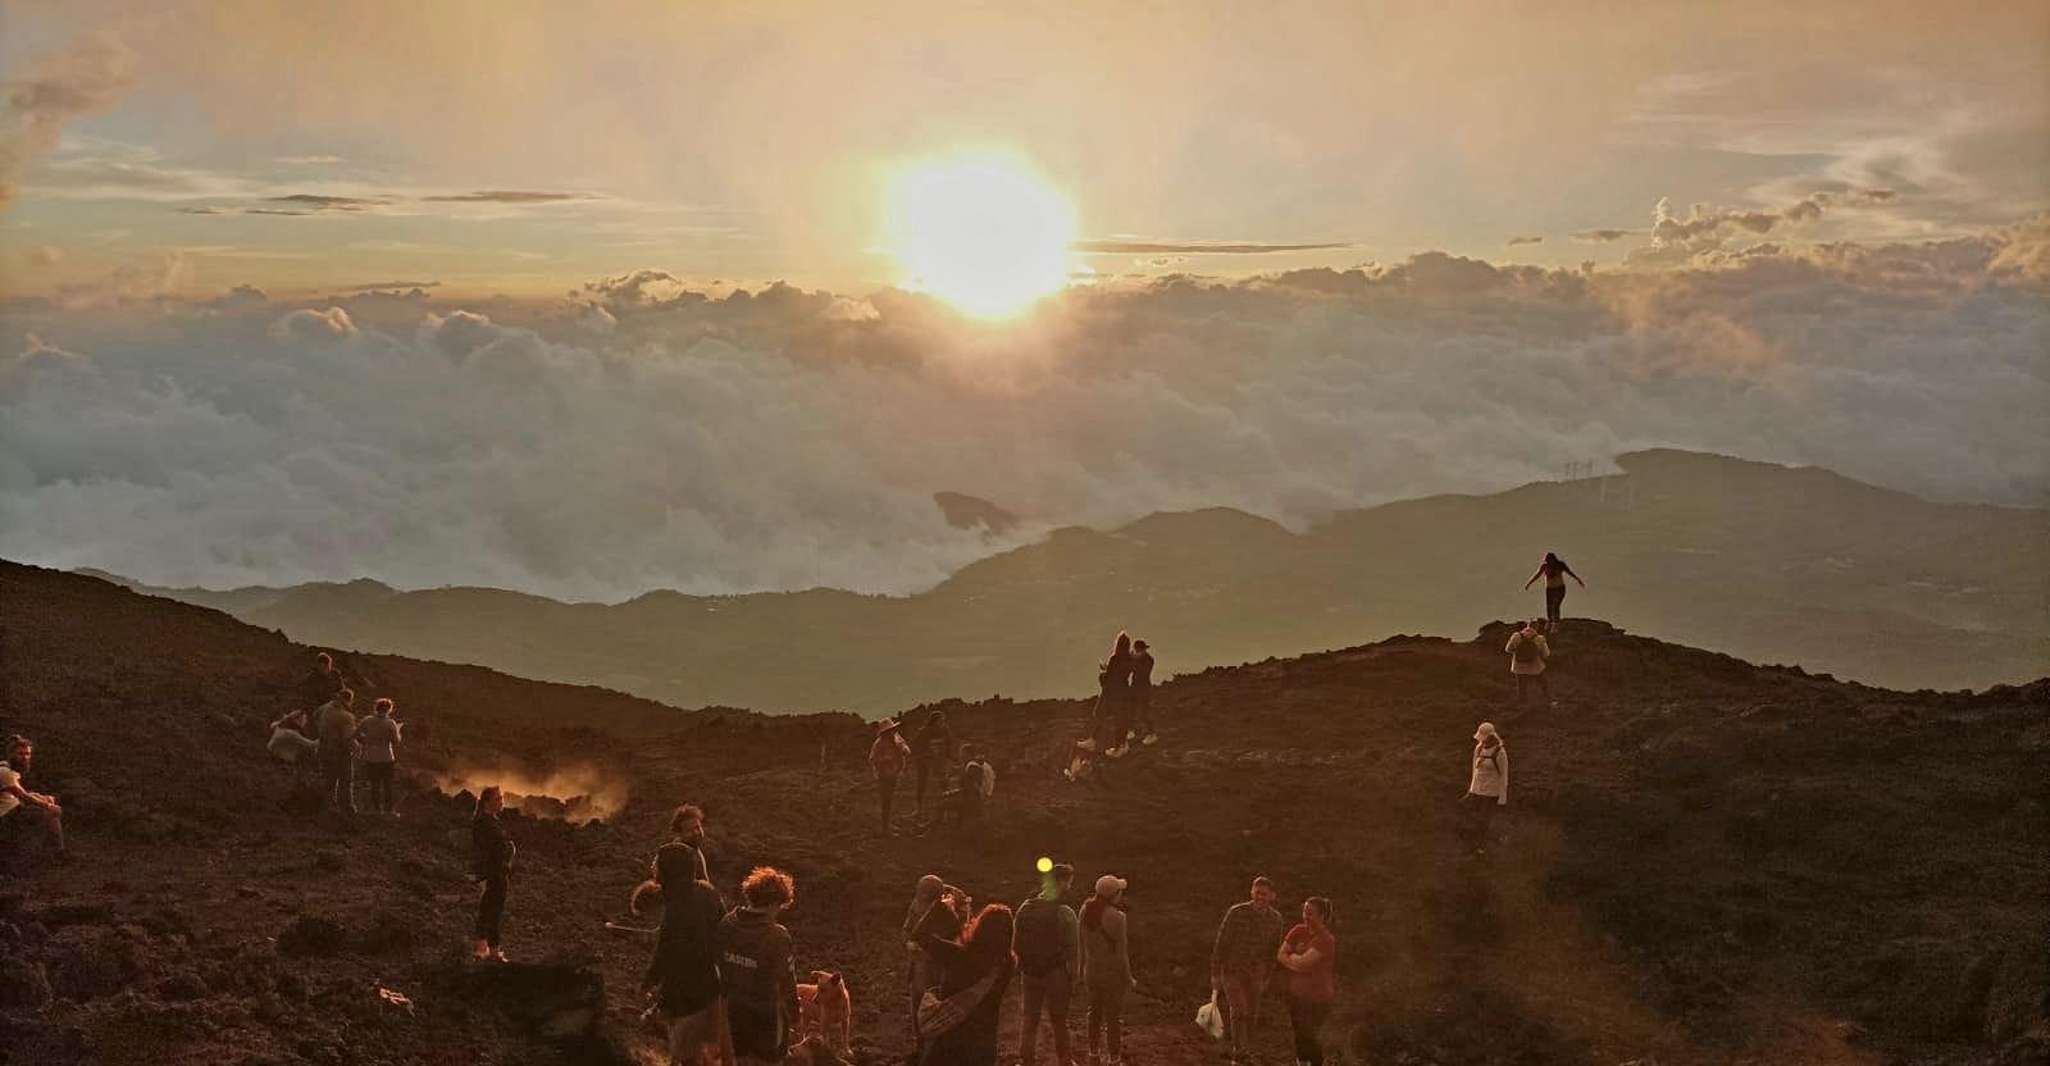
643,433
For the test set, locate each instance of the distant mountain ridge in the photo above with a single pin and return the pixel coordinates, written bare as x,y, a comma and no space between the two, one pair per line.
1768,562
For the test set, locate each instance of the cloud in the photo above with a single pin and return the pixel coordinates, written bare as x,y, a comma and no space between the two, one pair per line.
309,160
366,286
1139,247
83,79
507,196
320,202
1514,241
1603,236
306,323
648,432
239,298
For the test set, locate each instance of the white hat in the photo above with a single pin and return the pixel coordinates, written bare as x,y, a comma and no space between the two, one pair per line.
1109,885
1487,729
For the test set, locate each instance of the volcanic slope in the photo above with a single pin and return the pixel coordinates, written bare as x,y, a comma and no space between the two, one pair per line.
1703,860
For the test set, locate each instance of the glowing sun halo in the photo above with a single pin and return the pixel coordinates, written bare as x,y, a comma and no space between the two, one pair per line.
983,234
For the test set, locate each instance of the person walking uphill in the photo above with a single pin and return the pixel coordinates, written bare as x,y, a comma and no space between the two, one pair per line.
957,1021
1242,962
337,728
378,737
1555,572
1046,943
1310,955
931,749
491,853
1488,788
755,958
1107,966
1527,654
886,758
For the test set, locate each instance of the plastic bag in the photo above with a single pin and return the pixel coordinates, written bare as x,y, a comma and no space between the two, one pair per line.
1210,1019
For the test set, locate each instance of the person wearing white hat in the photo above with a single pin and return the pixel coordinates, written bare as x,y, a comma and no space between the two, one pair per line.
886,757
1107,967
1488,788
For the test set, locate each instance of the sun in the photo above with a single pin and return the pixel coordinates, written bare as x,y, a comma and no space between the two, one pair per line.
983,233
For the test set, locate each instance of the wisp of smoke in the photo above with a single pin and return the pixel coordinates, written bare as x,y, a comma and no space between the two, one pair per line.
577,793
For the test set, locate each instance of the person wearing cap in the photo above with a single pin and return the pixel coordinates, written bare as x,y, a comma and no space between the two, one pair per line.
1107,967
1488,788
886,757
1142,693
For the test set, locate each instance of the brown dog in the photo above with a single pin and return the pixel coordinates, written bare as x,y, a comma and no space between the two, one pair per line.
826,1011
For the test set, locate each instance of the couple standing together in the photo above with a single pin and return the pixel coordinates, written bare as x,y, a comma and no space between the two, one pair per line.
1124,710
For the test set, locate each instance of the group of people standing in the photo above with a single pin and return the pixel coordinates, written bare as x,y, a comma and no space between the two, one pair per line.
930,754
336,739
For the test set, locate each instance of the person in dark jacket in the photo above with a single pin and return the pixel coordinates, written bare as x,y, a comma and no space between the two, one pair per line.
682,858
492,851
958,1022
685,970
1142,693
1113,717
323,684
757,968
932,750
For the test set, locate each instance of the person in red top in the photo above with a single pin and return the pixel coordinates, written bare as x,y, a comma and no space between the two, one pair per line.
1310,955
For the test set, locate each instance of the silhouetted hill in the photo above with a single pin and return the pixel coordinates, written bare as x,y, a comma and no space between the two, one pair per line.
1778,564
1703,861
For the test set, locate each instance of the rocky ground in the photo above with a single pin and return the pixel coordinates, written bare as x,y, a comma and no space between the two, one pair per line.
1705,861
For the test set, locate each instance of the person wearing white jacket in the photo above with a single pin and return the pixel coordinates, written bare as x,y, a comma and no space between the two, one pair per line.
1488,788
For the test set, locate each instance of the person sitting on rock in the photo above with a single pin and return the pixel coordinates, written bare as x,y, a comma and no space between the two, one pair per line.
757,968
491,852
972,790
378,737
19,806
290,741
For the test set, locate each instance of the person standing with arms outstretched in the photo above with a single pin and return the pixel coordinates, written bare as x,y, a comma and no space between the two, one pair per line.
1555,572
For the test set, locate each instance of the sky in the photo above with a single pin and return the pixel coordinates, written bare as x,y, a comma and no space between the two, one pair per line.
590,299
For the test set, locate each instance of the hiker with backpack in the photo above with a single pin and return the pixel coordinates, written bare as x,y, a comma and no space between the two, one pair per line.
931,749
958,1019
1555,572
1242,963
1047,944
684,973
491,858
1107,967
337,725
886,758
1488,787
1527,654
758,969
1310,955
377,738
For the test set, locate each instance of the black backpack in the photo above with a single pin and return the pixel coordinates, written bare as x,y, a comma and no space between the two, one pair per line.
1037,937
1527,650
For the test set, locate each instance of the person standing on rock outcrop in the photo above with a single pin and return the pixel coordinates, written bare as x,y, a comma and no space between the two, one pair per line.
1310,955
1113,718
1242,963
1488,788
323,684
1555,572
21,805
1142,694
757,968
337,727
932,749
491,853
886,758
1527,654
378,737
